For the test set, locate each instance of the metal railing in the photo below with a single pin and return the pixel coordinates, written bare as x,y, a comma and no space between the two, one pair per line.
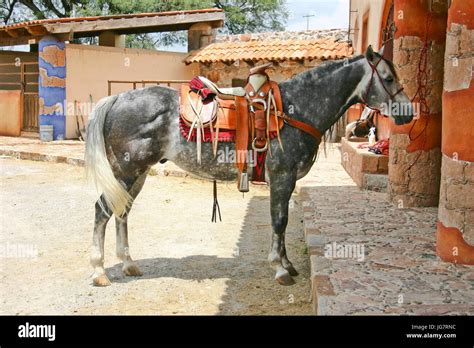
143,83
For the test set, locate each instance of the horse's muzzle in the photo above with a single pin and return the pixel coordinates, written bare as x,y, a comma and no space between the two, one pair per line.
400,120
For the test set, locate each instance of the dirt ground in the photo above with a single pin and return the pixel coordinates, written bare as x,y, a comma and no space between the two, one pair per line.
190,265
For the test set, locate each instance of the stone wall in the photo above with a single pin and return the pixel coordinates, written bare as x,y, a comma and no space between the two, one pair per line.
223,74
456,199
415,148
418,185
338,34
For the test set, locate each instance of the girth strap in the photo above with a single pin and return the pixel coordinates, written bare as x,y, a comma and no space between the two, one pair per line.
242,133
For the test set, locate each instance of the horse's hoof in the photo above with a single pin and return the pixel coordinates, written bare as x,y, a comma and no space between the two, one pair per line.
101,280
292,270
132,271
284,277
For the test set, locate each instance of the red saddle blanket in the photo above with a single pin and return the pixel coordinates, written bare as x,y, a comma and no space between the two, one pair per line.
226,136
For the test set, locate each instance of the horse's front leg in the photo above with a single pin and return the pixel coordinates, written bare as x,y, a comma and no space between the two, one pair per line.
281,188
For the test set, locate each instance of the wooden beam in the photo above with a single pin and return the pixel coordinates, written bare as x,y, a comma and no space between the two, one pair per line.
37,30
178,21
24,40
12,32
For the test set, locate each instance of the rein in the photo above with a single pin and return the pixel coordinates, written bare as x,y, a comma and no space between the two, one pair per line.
373,67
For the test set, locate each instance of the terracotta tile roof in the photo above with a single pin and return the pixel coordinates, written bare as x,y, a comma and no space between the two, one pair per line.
274,50
98,18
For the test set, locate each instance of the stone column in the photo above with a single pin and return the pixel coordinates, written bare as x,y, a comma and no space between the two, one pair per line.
455,237
52,85
415,160
200,35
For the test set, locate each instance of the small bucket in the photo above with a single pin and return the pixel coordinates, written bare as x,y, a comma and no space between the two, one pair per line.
46,133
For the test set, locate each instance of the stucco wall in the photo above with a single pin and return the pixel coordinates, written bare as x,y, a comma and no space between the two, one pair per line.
374,10
455,233
10,113
90,67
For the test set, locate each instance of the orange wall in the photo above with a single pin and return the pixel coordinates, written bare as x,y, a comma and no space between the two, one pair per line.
10,113
409,26
88,68
458,105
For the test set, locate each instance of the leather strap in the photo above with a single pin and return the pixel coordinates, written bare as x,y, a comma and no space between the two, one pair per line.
307,128
242,133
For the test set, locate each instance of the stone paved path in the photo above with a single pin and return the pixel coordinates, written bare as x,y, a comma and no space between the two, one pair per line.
400,272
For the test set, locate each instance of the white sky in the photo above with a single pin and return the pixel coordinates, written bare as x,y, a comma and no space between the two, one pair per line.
328,14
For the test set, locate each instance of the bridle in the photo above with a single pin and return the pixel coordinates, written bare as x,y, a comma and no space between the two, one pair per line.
376,72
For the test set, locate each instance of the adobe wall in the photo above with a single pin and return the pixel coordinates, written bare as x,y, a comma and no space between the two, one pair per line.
90,67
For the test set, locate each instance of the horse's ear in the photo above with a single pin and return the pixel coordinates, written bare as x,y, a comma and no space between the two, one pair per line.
369,54
381,51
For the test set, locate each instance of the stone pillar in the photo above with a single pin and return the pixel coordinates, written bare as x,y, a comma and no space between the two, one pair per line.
455,237
200,35
415,161
111,39
52,85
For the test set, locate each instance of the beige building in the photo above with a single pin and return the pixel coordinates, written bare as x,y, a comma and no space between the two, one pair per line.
57,83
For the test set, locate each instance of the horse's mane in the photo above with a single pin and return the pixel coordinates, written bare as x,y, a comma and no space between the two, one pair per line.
328,67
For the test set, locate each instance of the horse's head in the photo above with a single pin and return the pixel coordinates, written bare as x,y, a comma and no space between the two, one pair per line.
380,89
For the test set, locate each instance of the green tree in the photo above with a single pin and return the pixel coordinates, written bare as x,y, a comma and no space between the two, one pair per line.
242,16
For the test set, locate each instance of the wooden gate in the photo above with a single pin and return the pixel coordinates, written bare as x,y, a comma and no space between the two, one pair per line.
23,76
30,112
30,99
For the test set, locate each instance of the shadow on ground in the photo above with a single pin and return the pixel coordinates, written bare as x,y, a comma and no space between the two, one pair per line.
250,288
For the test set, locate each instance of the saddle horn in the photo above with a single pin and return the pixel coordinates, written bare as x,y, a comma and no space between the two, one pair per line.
260,69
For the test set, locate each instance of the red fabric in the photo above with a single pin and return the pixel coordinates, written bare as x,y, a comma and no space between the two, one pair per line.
381,147
259,170
198,87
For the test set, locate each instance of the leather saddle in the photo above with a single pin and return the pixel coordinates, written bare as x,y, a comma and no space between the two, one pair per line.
224,114
253,112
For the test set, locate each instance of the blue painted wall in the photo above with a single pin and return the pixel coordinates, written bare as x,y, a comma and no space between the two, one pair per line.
52,95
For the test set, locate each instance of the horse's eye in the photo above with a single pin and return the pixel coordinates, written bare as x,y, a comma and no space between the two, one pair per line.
389,79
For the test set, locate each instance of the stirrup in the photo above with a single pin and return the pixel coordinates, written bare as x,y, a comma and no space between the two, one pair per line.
244,182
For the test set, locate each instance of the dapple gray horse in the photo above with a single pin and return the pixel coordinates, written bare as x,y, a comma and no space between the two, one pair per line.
130,132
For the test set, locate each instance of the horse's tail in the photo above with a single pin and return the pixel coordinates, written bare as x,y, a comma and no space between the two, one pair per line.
98,166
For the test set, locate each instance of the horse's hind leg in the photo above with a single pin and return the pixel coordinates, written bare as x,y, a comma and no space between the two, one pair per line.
281,188
123,253
97,253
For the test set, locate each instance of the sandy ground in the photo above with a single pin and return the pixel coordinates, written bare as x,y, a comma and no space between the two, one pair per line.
190,265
